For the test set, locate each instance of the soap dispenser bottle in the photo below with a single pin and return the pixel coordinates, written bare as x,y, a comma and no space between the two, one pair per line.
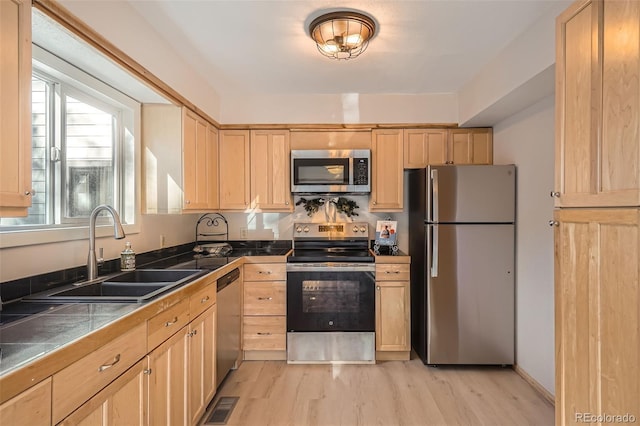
127,258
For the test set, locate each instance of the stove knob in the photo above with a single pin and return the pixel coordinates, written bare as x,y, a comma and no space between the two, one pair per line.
355,229
306,229
298,229
363,229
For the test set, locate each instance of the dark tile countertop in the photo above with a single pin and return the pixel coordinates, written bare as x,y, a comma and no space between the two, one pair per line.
34,335
29,330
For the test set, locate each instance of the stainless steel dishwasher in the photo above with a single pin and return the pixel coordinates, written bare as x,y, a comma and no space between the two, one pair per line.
229,297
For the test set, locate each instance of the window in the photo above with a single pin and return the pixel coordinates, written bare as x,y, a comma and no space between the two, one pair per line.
83,147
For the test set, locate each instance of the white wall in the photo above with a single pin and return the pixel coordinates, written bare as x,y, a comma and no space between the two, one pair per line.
122,25
526,139
20,262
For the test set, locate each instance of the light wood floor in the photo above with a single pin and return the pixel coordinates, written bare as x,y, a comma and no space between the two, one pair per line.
389,393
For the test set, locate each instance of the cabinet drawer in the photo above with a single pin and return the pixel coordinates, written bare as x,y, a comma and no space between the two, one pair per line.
84,378
202,300
265,333
265,272
392,272
166,323
265,298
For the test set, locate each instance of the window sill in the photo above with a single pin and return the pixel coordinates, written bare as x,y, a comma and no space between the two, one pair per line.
57,235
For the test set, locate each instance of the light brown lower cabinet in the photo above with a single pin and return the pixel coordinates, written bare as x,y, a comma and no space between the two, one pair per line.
393,316
168,381
202,363
123,402
597,310
264,324
182,379
30,408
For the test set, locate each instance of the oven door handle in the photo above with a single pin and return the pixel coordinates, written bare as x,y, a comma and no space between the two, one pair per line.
331,267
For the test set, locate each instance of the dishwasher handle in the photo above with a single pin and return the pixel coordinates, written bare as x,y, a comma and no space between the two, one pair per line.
227,279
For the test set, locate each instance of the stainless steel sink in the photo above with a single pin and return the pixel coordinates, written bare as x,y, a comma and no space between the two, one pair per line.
135,286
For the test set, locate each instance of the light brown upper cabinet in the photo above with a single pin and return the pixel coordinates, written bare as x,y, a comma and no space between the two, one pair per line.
180,160
598,104
15,104
235,184
270,175
470,146
423,147
200,163
387,170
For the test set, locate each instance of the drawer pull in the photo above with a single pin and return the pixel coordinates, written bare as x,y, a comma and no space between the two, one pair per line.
170,323
265,298
204,299
263,334
264,272
193,333
108,366
392,272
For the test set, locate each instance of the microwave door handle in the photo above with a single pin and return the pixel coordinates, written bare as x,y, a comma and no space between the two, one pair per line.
350,171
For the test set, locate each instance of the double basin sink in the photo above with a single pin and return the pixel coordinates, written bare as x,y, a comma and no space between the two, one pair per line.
136,286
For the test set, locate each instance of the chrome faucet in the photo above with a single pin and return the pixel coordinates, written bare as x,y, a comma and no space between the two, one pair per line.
118,234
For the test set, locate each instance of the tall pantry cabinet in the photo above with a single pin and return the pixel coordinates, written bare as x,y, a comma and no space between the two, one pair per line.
597,217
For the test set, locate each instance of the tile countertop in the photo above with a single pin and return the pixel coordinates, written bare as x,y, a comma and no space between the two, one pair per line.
31,331
28,338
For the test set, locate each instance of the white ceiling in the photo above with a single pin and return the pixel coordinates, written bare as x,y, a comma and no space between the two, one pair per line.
263,47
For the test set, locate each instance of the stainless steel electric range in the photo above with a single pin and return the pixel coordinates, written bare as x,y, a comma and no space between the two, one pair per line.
331,294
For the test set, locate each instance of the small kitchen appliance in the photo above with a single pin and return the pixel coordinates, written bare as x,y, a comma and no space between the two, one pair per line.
331,294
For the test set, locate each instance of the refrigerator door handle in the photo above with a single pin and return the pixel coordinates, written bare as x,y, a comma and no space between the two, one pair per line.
434,250
434,196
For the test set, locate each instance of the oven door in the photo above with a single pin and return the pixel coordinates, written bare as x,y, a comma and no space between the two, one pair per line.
330,297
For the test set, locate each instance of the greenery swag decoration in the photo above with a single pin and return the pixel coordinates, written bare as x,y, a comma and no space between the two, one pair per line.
343,205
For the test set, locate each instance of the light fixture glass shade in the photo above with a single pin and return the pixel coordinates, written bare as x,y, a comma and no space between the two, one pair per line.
342,35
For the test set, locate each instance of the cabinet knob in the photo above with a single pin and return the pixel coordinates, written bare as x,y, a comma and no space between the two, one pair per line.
375,202
187,202
30,192
555,194
378,287
554,223
286,202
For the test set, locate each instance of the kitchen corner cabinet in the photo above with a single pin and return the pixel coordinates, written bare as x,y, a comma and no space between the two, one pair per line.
270,175
470,146
15,104
264,321
235,183
597,312
598,104
423,147
180,163
124,401
387,161
30,408
393,316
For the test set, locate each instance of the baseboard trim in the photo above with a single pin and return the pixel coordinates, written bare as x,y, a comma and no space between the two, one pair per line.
534,384
393,355
265,355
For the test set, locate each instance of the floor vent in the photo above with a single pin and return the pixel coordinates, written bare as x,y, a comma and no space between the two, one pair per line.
222,410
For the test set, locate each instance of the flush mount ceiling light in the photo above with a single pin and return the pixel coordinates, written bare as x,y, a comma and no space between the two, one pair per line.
342,35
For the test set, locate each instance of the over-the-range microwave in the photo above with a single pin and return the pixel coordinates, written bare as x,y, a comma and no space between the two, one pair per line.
331,171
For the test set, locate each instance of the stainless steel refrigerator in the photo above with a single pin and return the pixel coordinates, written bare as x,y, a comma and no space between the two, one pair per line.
461,242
